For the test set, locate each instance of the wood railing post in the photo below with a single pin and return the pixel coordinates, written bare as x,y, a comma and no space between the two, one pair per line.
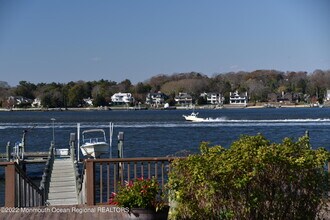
10,185
90,175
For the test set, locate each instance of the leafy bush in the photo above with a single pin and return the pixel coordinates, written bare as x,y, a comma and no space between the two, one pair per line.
253,179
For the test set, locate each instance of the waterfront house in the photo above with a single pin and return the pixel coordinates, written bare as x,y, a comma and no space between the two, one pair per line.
88,101
213,98
288,97
238,99
156,98
327,97
18,101
284,97
183,99
122,98
36,103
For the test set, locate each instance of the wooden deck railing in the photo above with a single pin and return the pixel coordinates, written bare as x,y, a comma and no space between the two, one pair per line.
20,191
102,176
45,179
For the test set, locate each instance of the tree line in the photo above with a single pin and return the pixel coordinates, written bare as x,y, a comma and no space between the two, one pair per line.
258,84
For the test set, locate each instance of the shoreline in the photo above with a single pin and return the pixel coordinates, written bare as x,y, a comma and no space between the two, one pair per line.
164,109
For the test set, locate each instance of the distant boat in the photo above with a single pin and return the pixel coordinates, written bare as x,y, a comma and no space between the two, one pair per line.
193,117
94,143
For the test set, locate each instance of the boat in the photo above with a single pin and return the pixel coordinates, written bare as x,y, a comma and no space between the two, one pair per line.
94,143
193,117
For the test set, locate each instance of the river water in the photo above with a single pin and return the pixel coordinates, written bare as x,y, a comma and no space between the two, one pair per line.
162,133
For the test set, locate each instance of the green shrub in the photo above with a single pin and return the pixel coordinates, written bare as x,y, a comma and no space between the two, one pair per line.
253,179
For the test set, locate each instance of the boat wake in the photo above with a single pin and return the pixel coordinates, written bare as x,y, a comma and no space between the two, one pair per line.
267,120
223,122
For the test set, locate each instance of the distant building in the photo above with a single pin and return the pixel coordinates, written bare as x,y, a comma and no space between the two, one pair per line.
238,99
328,95
183,99
89,101
16,101
284,97
122,98
157,98
36,103
213,98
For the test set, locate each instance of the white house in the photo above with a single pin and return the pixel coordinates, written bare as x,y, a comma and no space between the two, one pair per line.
36,103
238,99
88,101
213,98
122,98
156,98
328,95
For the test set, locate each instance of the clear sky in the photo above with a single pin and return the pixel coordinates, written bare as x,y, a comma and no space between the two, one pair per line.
71,40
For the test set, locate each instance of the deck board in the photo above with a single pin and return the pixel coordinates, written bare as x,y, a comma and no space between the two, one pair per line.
62,190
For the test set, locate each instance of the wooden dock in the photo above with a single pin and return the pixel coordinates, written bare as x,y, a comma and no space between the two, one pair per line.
62,188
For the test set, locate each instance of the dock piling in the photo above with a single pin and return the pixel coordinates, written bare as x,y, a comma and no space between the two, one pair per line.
120,153
72,144
8,151
121,144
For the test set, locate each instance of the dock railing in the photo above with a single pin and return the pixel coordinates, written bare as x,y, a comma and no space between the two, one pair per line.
45,179
75,167
20,191
102,176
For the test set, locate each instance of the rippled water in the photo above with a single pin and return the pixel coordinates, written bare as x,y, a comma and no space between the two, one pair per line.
159,133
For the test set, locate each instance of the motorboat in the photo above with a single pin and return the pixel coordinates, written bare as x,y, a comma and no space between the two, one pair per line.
94,143
193,117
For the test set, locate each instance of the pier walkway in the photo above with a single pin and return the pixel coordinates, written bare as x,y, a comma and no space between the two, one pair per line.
62,187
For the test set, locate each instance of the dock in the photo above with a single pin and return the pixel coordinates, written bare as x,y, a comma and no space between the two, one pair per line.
62,188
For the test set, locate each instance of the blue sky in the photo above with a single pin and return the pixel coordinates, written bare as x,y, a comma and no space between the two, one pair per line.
71,40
